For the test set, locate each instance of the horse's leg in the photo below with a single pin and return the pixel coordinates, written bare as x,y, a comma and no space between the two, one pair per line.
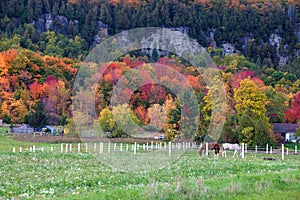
224,153
216,152
235,151
200,152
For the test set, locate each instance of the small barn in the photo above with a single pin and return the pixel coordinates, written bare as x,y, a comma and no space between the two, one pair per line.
287,131
24,128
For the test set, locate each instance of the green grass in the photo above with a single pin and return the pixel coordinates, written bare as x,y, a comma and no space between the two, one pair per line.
55,175
291,146
4,130
7,143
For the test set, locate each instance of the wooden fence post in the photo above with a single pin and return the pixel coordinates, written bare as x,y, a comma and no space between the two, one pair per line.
101,147
282,153
170,148
134,148
206,149
78,148
243,150
267,149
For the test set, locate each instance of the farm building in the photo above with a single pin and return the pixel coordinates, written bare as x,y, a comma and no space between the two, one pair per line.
24,128
287,131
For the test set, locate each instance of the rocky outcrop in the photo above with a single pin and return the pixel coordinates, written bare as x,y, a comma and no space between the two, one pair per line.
276,40
46,22
102,32
61,24
228,49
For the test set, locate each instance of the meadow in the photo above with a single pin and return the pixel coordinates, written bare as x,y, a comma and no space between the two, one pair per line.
55,175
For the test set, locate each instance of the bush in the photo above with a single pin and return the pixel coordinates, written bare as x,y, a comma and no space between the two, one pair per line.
171,134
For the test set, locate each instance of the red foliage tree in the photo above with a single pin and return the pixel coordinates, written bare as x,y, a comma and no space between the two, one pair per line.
292,115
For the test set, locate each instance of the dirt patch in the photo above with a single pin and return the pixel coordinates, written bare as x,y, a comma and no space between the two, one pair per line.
77,139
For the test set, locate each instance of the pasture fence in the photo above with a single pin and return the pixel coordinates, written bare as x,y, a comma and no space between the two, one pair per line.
105,147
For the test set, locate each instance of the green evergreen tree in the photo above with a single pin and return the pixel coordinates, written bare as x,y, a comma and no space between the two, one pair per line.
38,118
262,133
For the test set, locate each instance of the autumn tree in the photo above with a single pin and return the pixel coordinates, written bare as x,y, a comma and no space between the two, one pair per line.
157,115
229,133
4,113
106,120
292,115
250,100
275,105
248,96
126,121
19,111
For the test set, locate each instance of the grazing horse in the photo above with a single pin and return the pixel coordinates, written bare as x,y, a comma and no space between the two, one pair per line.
231,147
211,146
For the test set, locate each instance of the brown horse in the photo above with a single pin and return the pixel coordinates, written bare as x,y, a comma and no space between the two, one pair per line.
211,146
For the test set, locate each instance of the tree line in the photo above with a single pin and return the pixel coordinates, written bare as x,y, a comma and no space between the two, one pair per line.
231,21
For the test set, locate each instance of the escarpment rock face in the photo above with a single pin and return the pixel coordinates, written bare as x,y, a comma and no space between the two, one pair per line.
228,49
159,41
62,25
48,21
102,32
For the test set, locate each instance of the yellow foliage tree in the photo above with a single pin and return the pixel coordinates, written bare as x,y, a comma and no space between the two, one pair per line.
249,97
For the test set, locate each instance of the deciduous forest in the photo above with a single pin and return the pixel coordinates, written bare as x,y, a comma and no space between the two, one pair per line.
44,42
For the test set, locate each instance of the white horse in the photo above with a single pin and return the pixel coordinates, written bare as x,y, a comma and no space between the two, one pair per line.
231,147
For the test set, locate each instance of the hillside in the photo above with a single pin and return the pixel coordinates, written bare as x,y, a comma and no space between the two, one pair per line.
255,44
266,32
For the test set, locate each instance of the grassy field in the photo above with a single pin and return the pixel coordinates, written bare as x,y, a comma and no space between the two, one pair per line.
54,175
